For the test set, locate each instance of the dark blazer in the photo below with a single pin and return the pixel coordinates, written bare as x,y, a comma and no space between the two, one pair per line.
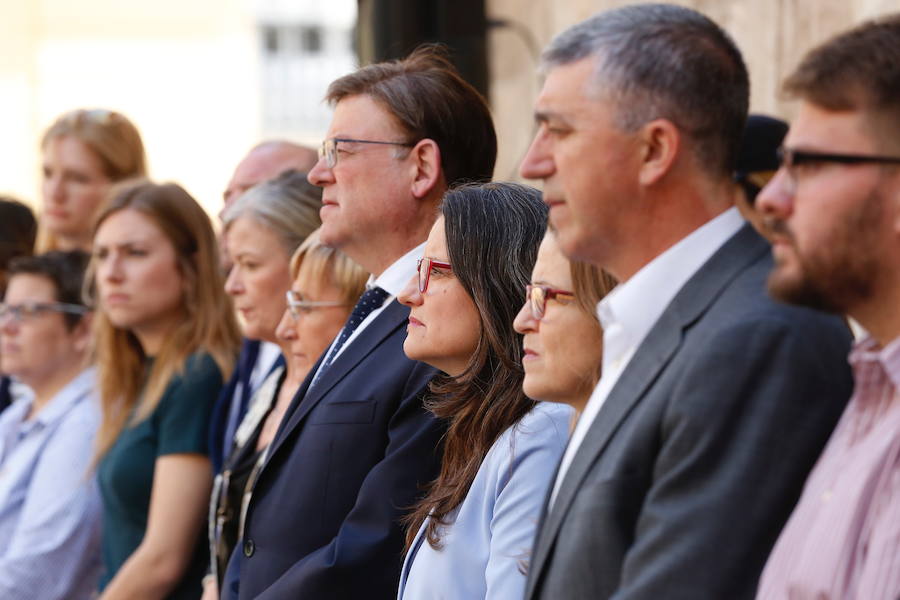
698,455
350,457
219,436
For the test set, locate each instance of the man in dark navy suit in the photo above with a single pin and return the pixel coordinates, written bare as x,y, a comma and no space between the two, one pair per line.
357,446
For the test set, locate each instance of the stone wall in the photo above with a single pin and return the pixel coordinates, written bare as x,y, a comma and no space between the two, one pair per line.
772,34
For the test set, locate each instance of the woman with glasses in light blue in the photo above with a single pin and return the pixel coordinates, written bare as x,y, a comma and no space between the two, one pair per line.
471,535
326,285
49,499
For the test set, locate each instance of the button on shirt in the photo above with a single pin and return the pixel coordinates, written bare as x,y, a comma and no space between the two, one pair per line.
629,312
393,280
843,538
49,500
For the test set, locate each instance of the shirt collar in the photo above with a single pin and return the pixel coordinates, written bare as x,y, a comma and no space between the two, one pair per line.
637,303
867,350
396,276
72,393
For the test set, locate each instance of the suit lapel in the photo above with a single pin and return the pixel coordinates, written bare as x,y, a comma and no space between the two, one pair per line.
308,396
654,353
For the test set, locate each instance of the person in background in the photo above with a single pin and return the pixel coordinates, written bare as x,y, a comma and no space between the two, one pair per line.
757,162
83,153
833,210
49,501
265,161
357,429
468,536
325,286
165,336
264,227
692,449
562,338
17,232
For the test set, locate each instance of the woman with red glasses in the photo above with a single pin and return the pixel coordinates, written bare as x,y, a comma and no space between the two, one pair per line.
470,536
562,335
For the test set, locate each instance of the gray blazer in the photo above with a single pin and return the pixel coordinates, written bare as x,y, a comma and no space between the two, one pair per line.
697,457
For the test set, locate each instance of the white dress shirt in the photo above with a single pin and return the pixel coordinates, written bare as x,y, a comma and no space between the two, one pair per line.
393,280
629,312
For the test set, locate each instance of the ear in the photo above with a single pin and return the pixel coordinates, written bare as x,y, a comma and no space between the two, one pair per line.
426,160
660,142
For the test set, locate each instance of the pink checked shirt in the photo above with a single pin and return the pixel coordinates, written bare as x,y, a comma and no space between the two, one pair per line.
843,540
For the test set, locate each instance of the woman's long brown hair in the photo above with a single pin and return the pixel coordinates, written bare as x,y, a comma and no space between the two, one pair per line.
209,323
493,233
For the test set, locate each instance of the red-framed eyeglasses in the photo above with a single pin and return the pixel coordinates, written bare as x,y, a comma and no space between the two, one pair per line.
424,268
537,296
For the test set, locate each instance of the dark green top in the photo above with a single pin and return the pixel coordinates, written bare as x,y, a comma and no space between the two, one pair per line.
179,425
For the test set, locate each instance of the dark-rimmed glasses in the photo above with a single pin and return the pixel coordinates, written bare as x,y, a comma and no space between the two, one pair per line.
297,306
424,268
21,312
790,159
328,149
537,296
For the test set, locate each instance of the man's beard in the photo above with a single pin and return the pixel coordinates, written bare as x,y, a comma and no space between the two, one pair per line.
840,273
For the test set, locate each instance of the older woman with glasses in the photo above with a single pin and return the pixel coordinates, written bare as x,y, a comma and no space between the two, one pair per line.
471,534
325,287
49,500
562,335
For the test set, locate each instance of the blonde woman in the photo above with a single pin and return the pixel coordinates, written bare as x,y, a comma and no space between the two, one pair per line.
166,337
83,153
326,285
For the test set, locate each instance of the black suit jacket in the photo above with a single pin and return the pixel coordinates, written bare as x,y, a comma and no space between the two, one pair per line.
701,449
350,457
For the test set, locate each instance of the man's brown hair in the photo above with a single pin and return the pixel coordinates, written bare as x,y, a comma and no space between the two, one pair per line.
429,99
855,70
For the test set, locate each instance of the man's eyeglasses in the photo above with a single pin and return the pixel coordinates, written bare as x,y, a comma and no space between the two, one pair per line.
297,306
328,149
537,296
22,312
424,268
792,159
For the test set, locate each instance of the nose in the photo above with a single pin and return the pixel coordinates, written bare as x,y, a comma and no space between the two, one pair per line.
410,295
320,174
287,328
233,283
538,162
776,199
54,191
525,321
8,325
110,269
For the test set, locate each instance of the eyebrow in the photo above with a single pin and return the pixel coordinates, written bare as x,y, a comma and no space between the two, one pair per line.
542,116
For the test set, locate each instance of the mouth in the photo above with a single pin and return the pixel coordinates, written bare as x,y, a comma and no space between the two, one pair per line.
529,354
413,322
113,299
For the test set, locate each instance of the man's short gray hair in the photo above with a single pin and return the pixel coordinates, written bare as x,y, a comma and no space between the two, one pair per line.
664,61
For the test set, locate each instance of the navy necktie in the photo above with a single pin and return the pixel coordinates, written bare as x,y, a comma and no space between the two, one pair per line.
369,301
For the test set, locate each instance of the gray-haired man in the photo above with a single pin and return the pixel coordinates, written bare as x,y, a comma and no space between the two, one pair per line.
714,401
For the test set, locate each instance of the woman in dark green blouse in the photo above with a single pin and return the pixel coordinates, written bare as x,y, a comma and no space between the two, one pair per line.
166,340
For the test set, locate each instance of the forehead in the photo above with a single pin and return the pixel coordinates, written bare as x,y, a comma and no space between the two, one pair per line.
362,117
552,266
69,149
25,287
816,128
126,226
436,245
571,91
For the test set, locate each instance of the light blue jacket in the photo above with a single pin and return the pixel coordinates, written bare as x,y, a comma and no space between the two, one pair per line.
484,551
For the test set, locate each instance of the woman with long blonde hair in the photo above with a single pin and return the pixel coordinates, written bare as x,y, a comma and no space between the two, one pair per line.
166,338
83,153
